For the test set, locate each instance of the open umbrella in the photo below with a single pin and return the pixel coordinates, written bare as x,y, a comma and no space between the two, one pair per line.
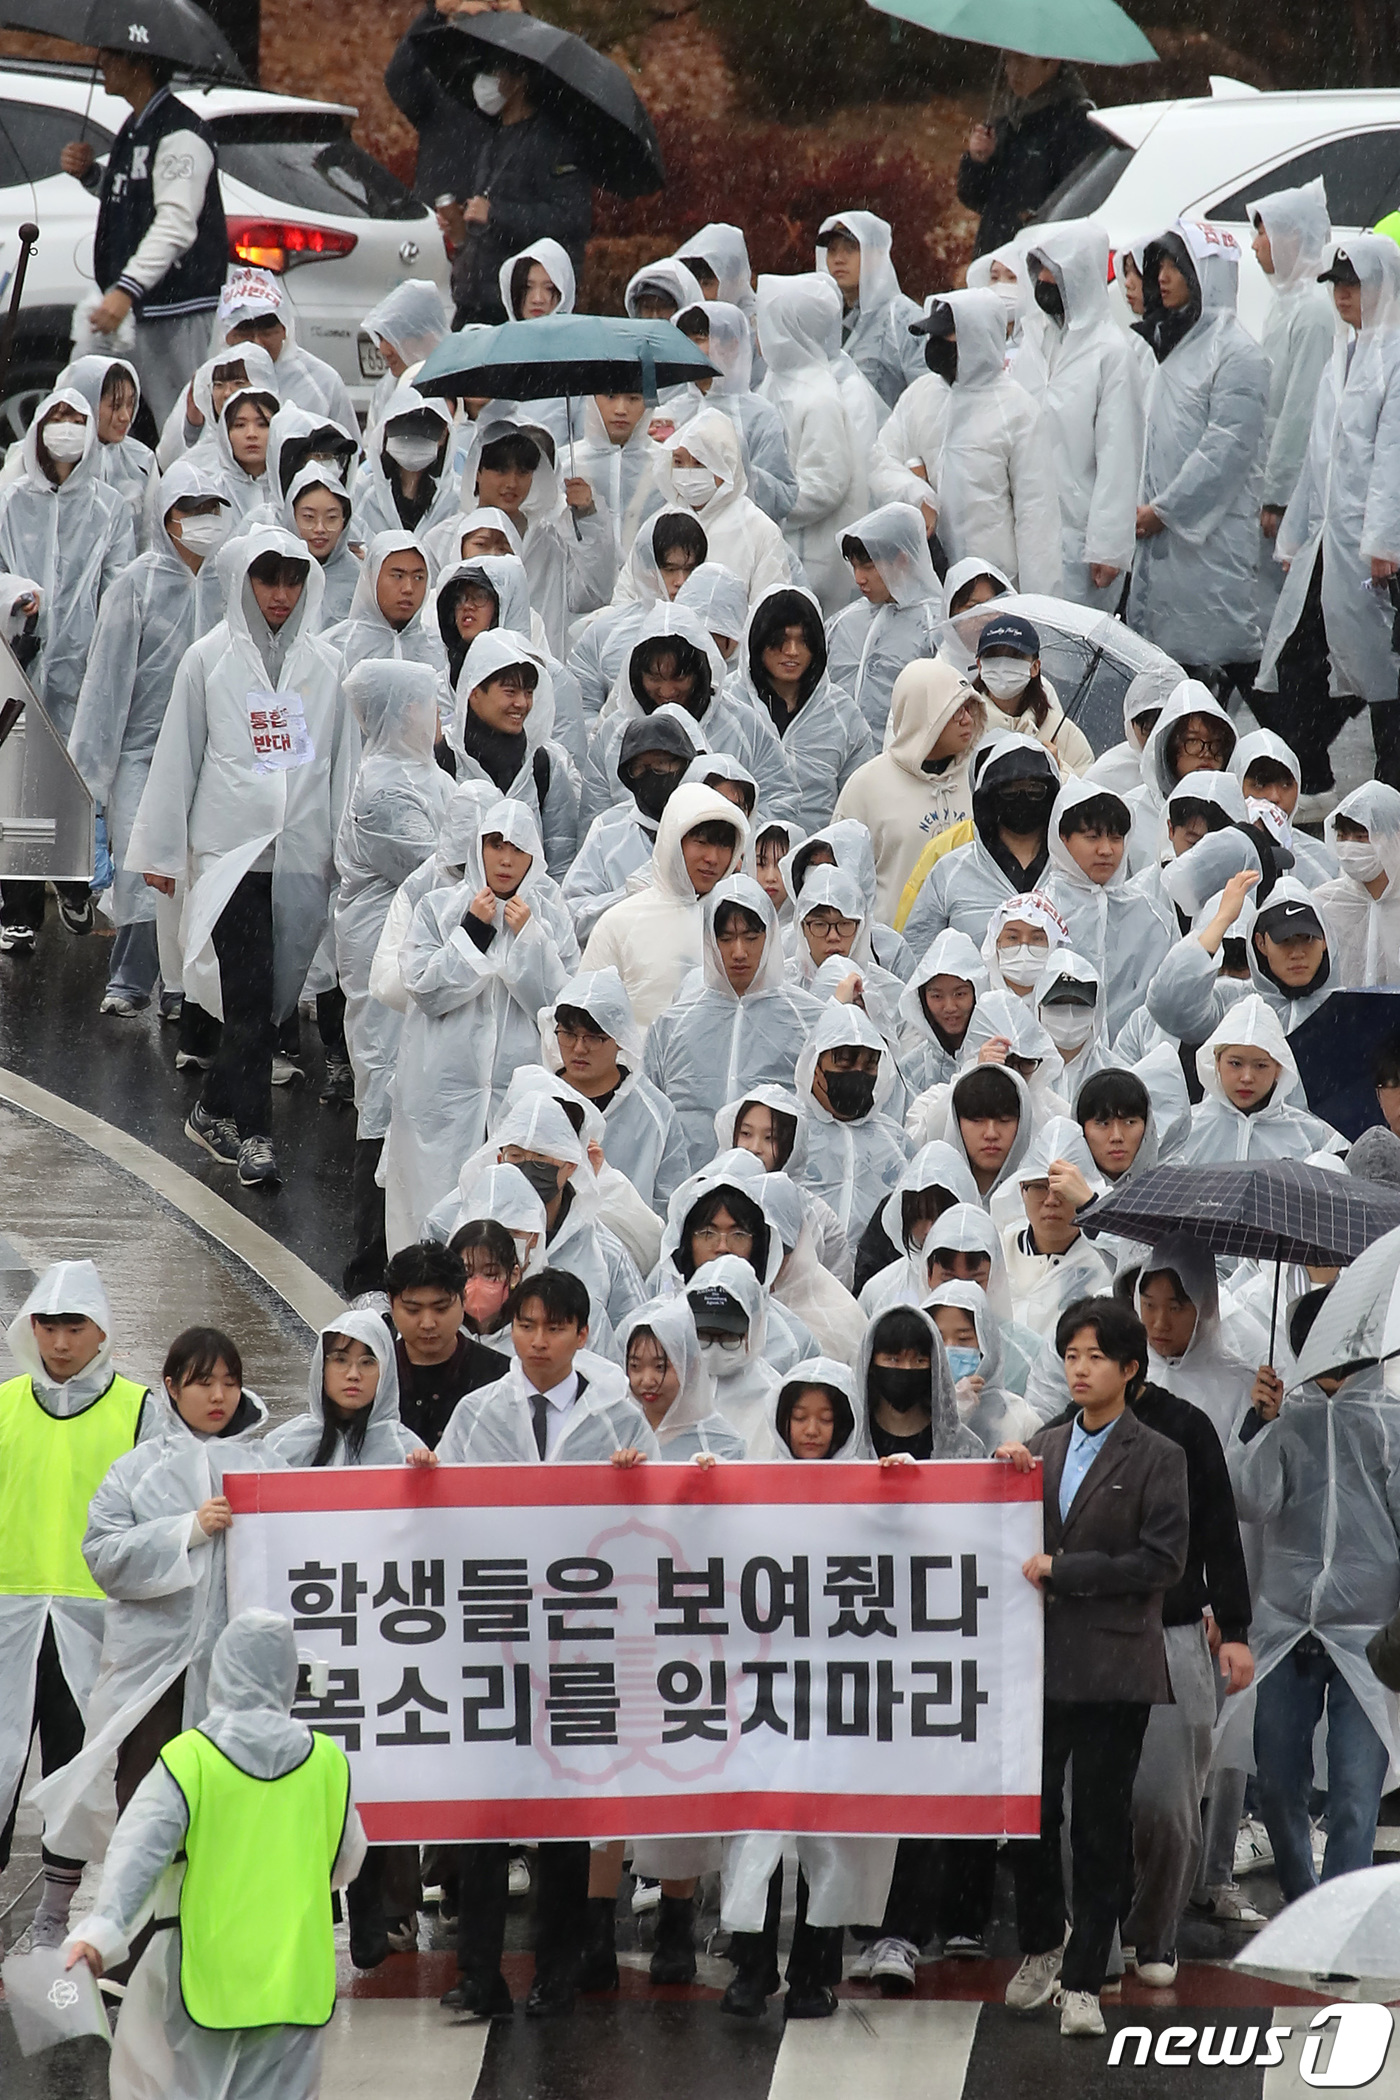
1095,32
1335,1050
586,94
1361,1318
1274,1210
1349,1926
563,354
173,29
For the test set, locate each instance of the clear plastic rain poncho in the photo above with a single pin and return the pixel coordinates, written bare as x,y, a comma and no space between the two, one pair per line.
740,536
932,1117
794,316
1092,396
851,846
248,495
390,828
1364,931
871,644
553,259
718,599
1159,772
1188,997
341,567
745,1382
1042,1285
669,277
165,1584
771,481
950,1437
368,634
494,1426
1313,862
309,381
875,330
386,1441
556,811
412,319
1119,769
966,1228
804,1287
725,253
927,1055
993,1413
1280,1127
129,466
1300,330
644,1138
692,1425
147,620
252,1685
963,888
855,1162
1022,962
1070,1007
620,841
827,738
833,1248
702,1050
502,1194
476,998
180,435
73,541
1193,584
1207,1372
210,815
1121,930
935,1166
835,890
441,871
376,488
600,653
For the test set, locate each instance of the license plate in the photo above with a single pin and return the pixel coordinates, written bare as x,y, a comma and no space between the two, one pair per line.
372,365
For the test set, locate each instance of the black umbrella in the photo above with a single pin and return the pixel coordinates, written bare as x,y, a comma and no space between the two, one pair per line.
562,354
1274,1210
172,29
586,94
1335,1051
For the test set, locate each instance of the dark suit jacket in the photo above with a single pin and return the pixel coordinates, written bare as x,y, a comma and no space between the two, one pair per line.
1121,1548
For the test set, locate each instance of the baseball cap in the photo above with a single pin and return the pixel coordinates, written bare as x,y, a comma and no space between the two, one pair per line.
1009,631
1341,270
716,1310
1291,920
939,320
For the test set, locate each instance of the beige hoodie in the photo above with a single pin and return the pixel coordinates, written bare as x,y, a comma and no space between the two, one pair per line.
901,806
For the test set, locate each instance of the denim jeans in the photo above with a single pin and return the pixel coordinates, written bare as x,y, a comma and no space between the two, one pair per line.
1288,1708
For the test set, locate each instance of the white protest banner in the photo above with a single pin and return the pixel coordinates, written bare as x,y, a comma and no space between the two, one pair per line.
559,1651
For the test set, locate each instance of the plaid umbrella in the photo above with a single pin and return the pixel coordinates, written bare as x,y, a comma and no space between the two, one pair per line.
1274,1210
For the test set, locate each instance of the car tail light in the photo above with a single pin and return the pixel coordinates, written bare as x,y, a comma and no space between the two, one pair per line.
278,244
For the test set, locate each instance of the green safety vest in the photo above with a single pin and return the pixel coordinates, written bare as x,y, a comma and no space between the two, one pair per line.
50,1469
255,1908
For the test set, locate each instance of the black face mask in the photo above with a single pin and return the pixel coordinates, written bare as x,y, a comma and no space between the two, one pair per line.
851,1094
1024,808
1050,299
652,791
543,1177
941,357
904,1391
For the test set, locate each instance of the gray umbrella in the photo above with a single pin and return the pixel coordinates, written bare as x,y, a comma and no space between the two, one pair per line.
1350,1926
1357,1323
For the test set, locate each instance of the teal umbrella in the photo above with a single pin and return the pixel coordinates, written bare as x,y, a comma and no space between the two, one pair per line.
1094,32
563,354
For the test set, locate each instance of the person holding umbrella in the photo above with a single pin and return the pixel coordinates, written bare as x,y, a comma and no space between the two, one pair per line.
1039,133
161,246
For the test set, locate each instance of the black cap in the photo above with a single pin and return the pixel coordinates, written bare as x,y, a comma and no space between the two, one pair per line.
939,320
1342,270
716,1310
1009,631
655,733
1290,920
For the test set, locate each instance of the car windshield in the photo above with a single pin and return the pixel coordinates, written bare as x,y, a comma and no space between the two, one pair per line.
311,163
1087,186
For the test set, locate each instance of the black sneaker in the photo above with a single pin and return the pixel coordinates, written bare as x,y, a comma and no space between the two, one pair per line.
480,1998
77,916
257,1164
338,1086
217,1134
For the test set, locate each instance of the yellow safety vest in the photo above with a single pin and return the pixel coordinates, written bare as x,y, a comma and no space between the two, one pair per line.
255,1908
949,841
50,1469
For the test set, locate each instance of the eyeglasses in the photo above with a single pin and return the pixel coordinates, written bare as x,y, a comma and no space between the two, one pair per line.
591,1038
1202,747
842,928
726,1340
733,1237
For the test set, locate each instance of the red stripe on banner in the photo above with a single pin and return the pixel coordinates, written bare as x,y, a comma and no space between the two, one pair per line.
637,1487
673,1815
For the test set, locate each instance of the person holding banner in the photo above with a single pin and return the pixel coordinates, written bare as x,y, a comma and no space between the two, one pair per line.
243,1828
1117,1529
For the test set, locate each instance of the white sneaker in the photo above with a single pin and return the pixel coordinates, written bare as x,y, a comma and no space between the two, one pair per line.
1252,1847
47,1930
894,1964
518,1880
862,1968
1158,1975
646,1895
1079,2013
1231,1907
1036,1981
1319,1846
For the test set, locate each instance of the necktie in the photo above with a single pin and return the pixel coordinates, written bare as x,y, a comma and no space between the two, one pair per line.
539,1415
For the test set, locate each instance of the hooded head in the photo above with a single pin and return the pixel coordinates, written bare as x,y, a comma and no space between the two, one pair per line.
979,322
503,576
895,540
425,410
688,809
1187,1263
267,405
1017,963
367,1327
711,439
981,1104
1070,1006
729,1174
87,466
1208,257
709,768
780,1102
852,1093
486,518
545,496
1165,762
1299,231
836,1382
670,1324
729,339
254,1665
1076,255
1375,809
1252,1029
724,254
1147,694
670,732
242,612
90,374
970,1300
938,1171
369,630
874,237
796,316
667,279
1015,783
396,706
1376,261
847,844
1112,819
297,439
73,1288
926,697
950,954
191,480
602,995
656,542
965,1237
909,1391
1059,1137
729,941
258,369
514,277
500,649
717,599
834,894
512,824
411,320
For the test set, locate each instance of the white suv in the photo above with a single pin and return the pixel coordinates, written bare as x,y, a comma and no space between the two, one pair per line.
1208,157
299,195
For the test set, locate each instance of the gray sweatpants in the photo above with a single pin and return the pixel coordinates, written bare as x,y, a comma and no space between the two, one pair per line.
1171,1778
166,355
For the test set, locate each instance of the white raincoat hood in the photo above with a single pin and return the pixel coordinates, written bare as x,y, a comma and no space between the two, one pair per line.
385,1437
67,1287
671,1323
412,319
688,808
1076,254
731,343
1251,1022
796,316
602,995
367,632
1299,230
669,275
1189,698
878,282
554,260
895,539
496,650
838,1028
979,319
725,250
712,439
771,973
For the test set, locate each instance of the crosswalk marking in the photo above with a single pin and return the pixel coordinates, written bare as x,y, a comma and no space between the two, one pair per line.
882,2049
378,2046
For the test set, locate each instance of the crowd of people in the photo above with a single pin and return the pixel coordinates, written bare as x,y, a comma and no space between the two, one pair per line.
746,976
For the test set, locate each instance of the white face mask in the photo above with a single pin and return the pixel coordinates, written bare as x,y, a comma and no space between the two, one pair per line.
65,441
1068,1027
1005,677
1023,965
693,485
721,1362
1010,297
488,94
412,453
205,534
1359,859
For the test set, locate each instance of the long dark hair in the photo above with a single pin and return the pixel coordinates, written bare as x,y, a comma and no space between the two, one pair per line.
338,1421
843,1422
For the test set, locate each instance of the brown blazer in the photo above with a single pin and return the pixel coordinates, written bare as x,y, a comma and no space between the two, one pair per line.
1122,1546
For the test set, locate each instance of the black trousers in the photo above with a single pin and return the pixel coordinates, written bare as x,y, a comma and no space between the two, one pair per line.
22,901
370,1254
1103,1740
60,1727
561,1909
1385,728
240,1083
1303,711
